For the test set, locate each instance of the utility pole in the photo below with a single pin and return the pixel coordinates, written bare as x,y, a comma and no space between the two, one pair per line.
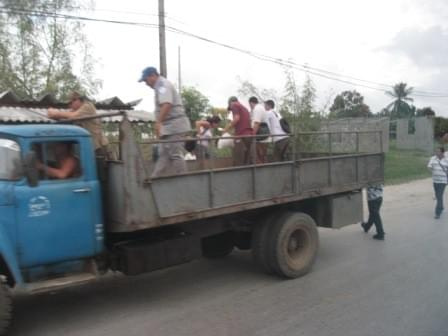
162,46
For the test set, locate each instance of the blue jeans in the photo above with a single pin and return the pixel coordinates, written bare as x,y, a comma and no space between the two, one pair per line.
439,189
374,215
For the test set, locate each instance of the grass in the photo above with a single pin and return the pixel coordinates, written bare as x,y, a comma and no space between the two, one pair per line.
405,165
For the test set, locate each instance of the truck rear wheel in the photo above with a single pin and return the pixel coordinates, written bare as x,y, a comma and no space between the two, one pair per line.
217,246
293,244
5,307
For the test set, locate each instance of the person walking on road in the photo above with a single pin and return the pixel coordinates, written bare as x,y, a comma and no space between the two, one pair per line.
438,165
171,124
374,201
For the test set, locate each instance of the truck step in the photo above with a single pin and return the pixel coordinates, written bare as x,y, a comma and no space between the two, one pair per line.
54,284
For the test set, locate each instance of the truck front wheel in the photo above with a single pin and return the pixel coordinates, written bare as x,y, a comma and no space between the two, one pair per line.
5,307
292,245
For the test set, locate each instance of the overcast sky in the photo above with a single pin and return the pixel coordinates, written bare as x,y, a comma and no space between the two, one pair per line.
377,41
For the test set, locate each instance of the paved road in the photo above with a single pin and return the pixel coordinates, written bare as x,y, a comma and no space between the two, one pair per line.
358,287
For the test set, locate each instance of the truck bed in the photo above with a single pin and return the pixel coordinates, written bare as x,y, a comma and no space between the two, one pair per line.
137,202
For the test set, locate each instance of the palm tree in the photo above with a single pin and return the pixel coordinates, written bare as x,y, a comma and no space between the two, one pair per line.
400,107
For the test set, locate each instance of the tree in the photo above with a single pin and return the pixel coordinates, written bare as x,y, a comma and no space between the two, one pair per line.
248,89
400,108
425,112
440,127
195,103
308,97
42,54
290,102
349,104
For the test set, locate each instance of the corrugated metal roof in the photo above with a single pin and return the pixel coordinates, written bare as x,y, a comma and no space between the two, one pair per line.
9,98
13,109
39,115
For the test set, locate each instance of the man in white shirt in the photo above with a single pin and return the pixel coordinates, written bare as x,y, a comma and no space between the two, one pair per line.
280,137
259,123
438,165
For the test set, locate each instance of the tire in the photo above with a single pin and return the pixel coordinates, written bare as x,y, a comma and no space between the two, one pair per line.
260,239
217,246
293,245
5,307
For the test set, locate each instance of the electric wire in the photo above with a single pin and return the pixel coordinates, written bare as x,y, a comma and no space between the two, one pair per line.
330,75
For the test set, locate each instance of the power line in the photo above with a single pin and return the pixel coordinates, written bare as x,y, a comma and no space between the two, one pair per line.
285,63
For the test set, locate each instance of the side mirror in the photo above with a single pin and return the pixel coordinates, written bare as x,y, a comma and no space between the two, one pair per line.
30,169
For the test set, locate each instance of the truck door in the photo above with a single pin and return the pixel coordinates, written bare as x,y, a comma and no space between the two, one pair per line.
55,219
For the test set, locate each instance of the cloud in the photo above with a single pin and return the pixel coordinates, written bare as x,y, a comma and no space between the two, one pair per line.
426,48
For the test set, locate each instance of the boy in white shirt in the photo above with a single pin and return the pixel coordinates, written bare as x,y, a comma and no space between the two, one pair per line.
281,142
259,120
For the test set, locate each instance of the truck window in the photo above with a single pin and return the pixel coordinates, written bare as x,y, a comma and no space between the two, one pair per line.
58,159
10,164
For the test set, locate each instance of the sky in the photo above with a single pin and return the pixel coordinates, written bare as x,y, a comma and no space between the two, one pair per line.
380,41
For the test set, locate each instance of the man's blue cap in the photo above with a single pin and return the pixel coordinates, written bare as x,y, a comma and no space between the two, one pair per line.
148,72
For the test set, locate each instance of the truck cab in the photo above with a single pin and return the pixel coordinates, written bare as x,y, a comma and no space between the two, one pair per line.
48,226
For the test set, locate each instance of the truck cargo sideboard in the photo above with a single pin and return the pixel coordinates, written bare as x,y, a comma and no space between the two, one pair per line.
137,202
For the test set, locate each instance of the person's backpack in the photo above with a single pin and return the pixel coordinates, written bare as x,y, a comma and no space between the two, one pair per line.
263,132
284,124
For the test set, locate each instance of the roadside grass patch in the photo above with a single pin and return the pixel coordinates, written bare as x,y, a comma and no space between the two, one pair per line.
403,165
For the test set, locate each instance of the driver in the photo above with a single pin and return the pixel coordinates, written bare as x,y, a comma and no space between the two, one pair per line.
67,165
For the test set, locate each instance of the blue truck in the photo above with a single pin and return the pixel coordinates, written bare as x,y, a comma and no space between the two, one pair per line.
113,217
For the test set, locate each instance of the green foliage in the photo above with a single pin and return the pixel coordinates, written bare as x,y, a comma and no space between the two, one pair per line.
248,89
405,165
400,108
307,98
195,103
290,102
349,104
297,108
300,112
425,112
440,126
37,54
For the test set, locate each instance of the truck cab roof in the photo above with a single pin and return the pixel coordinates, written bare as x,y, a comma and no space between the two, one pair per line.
44,130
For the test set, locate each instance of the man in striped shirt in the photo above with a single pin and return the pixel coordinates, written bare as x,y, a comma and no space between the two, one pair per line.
438,165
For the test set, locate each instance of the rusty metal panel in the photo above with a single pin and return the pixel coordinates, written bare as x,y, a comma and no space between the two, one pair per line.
182,194
363,169
346,209
273,181
375,167
343,171
314,175
131,202
232,186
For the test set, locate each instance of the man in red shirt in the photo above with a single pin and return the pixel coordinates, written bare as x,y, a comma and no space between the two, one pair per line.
243,151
